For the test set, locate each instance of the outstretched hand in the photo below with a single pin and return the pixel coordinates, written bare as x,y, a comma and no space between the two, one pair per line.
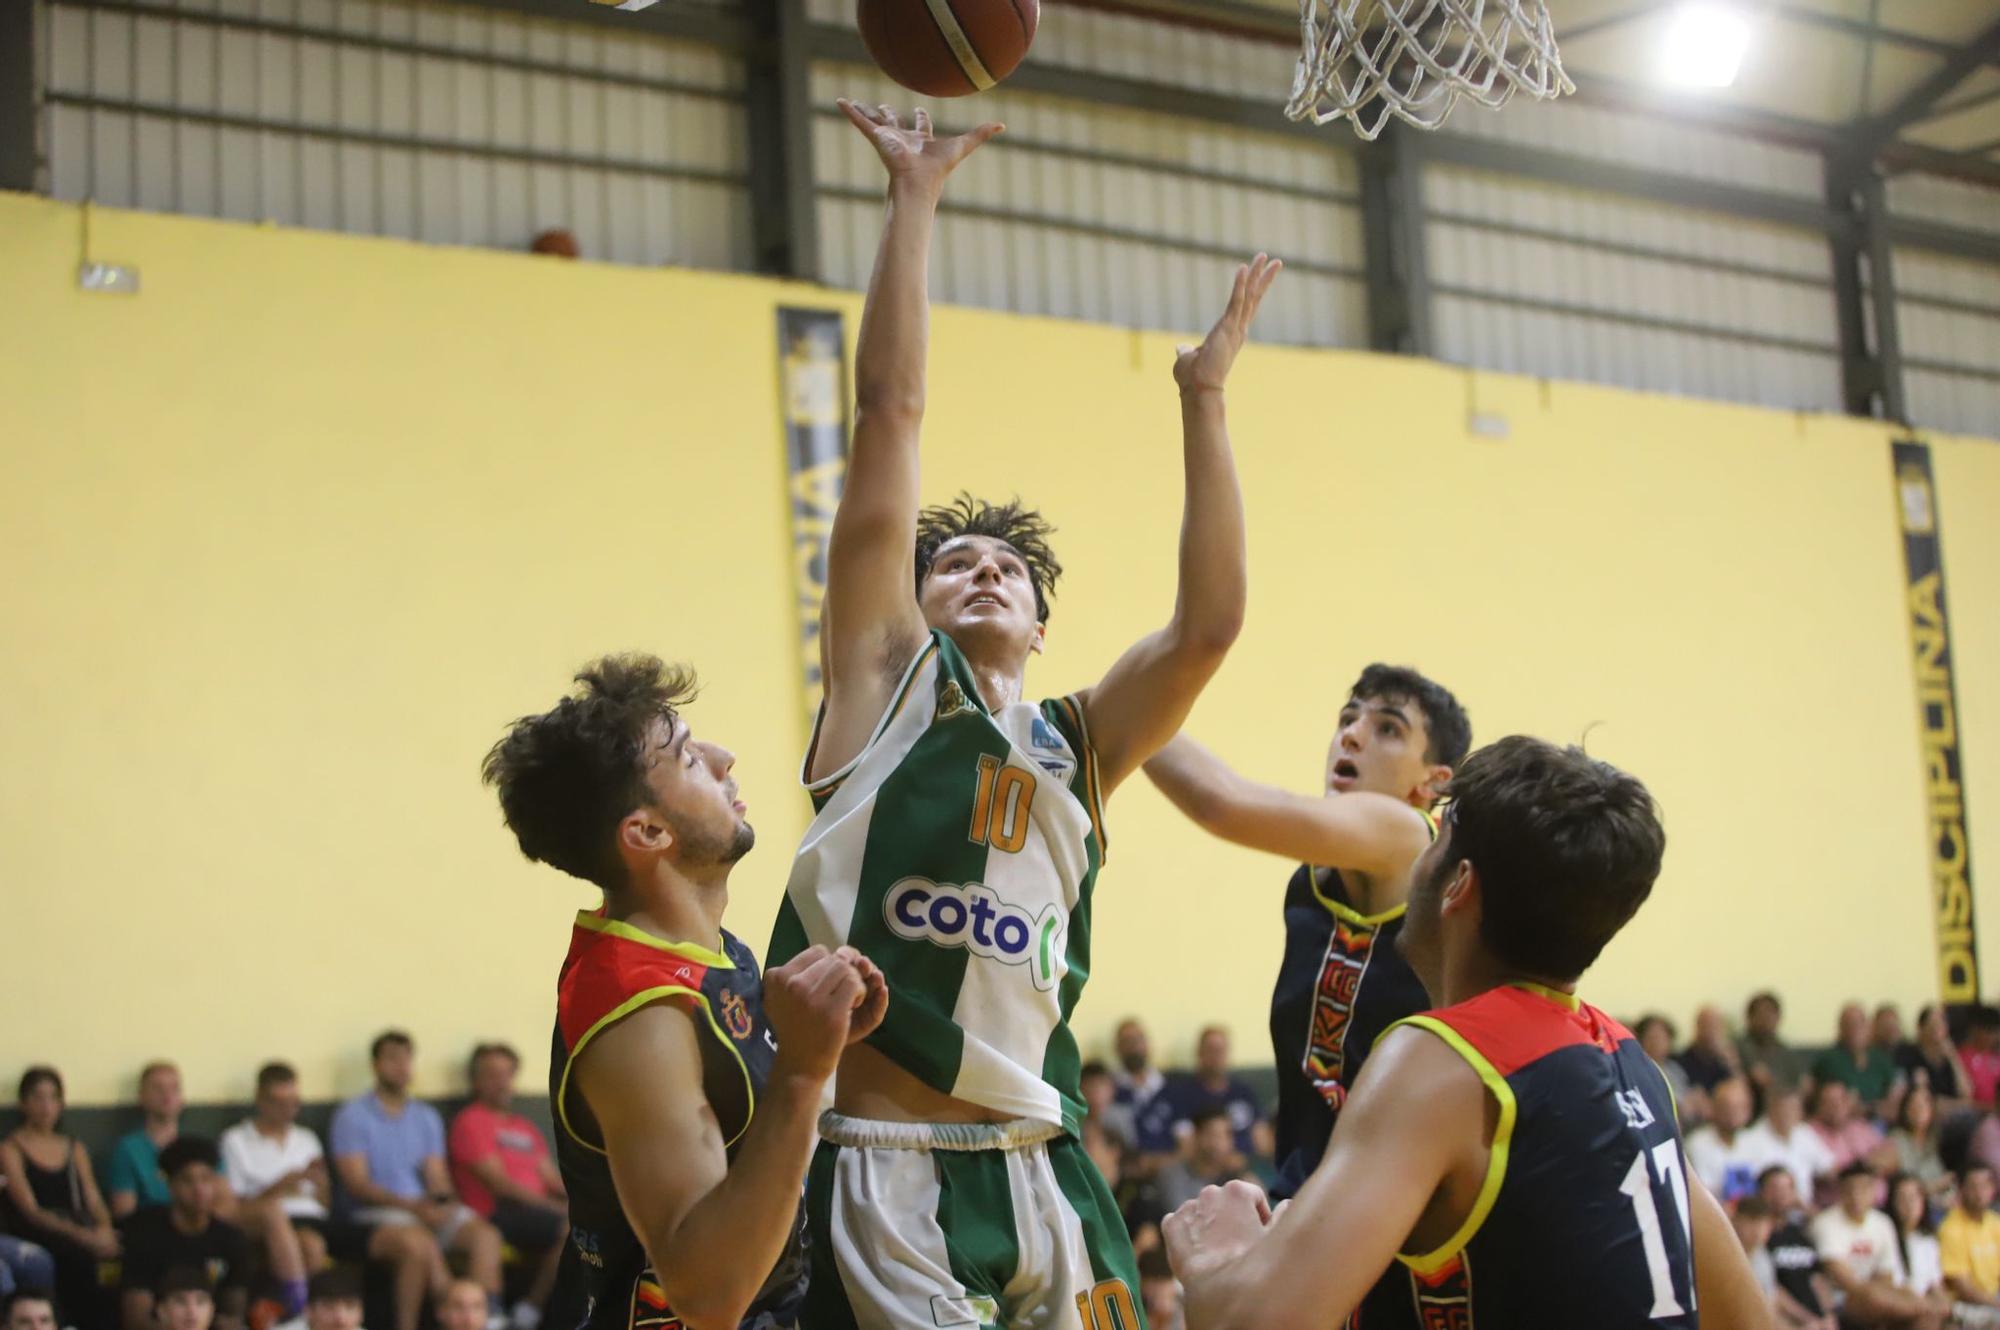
1206,367
912,154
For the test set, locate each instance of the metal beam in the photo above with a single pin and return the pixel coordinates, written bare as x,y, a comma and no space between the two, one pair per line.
1979,246
1903,155
20,155
1871,369
1966,103
709,24
1393,238
1874,132
784,219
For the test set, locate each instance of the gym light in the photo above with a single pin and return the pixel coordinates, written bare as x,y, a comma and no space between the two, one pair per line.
1704,46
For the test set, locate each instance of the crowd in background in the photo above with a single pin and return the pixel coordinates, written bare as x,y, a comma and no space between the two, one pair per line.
1860,1179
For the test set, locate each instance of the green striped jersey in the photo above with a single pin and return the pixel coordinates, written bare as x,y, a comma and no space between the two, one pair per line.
958,851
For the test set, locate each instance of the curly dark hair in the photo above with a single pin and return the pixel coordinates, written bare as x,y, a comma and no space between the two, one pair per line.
1567,849
568,776
1023,529
1445,721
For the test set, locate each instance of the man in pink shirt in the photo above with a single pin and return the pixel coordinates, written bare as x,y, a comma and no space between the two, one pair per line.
1848,1135
1981,1054
504,1172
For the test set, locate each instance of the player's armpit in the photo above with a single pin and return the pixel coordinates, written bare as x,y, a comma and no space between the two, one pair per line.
1725,1286
1363,831
1417,1107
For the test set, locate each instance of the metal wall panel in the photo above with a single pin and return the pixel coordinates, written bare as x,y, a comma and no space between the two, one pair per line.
1948,312
1115,216
1658,144
1951,202
437,123
1566,283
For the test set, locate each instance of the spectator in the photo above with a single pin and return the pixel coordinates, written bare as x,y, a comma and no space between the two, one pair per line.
1656,1035
30,1310
1136,1078
333,1302
1769,1062
1723,1154
134,1178
1969,1241
184,1232
1909,1209
52,1198
1857,1064
1783,1137
1211,1161
1101,1106
505,1174
1916,1141
463,1307
1711,1059
1754,1223
1211,1086
1848,1137
389,1156
1804,1298
184,1300
1858,1247
1159,1291
24,1266
1103,1152
1980,1054
278,1173
1932,1060
1885,1031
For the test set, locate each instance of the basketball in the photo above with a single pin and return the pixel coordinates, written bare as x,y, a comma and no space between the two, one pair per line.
948,48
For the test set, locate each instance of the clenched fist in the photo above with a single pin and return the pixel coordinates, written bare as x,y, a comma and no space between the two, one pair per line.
821,1001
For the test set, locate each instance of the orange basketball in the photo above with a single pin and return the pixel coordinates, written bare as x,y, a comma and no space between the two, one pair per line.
948,48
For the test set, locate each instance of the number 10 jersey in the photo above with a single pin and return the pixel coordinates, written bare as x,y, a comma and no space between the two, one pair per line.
958,852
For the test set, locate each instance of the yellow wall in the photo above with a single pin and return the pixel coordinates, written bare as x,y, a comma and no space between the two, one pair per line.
291,535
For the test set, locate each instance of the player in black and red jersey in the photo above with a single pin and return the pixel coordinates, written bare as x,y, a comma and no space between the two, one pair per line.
1514,1147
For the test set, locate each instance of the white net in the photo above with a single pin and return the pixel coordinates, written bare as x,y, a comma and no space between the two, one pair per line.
1367,60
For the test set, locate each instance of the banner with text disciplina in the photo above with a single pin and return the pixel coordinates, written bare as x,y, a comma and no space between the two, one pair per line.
812,395
1937,725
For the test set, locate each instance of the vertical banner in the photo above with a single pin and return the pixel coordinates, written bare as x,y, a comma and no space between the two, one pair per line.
1937,725
812,394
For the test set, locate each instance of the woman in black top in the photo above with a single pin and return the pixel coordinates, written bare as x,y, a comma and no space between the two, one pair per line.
1933,1055
52,1198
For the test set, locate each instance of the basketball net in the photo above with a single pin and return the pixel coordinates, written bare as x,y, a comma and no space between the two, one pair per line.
1370,59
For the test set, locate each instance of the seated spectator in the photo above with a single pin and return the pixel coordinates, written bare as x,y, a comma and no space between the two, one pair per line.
1849,1137
1212,1160
277,1172
1916,1142
1101,1106
134,1178
1211,1085
1969,1241
1711,1058
1857,1064
1769,1062
1980,1054
505,1174
1753,1224
1932,1060
1858,1247
29,1310
184,1300
1885,1031
1804,1298
184,1232
463,1307
1159,1291
1656,1035
1909,1209
24,1266
1783,1137
333,1302
1722,1153
389,1157
1139,1085
52,1198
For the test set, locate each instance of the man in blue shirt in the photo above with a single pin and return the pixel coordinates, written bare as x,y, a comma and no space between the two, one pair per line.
1209,1087
134,1178
389,1159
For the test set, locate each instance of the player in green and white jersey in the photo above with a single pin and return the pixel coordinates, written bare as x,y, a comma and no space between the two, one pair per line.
959,830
